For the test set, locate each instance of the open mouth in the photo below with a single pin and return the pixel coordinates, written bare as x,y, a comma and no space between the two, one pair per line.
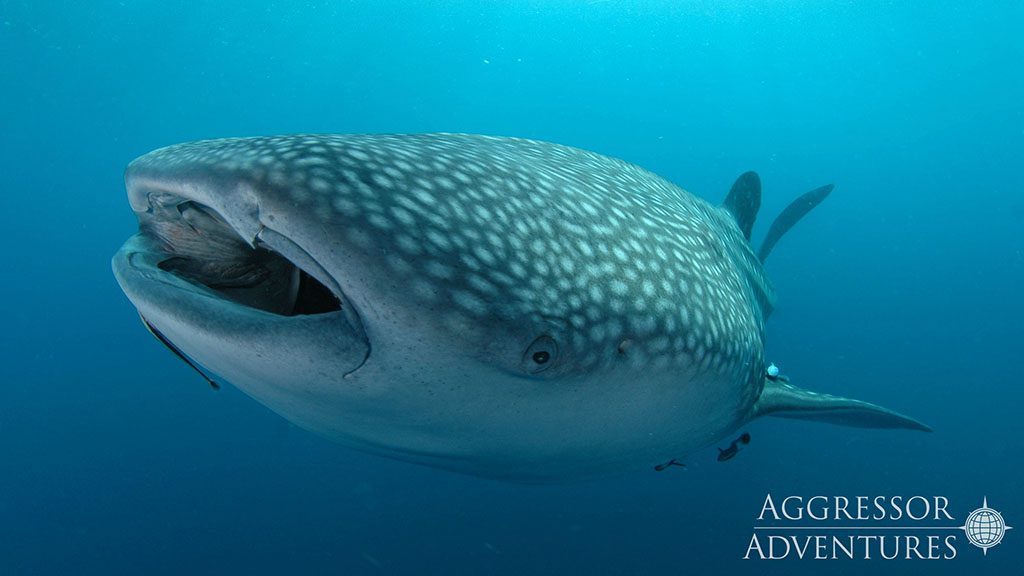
202,248
202,285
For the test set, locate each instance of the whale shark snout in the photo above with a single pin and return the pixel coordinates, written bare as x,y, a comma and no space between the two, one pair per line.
272,324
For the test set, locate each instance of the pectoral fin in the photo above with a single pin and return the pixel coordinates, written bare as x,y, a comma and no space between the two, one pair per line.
787,401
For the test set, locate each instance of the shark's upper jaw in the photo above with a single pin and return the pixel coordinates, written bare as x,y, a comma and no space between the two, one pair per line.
228,290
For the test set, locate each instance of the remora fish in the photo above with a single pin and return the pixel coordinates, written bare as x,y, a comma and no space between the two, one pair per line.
495,306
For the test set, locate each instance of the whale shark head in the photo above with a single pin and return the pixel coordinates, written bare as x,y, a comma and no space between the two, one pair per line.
495,306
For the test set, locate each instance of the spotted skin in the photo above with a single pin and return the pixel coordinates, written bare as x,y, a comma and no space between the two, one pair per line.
503,227
462,254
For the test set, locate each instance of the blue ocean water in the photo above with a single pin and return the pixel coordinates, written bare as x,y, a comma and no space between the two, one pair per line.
903,288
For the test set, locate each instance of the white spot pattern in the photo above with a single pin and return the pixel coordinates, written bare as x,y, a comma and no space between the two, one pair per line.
503,228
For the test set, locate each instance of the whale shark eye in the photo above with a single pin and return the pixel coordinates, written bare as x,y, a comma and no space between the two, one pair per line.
541,354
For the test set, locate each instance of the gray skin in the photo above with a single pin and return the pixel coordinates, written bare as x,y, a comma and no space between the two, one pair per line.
501,307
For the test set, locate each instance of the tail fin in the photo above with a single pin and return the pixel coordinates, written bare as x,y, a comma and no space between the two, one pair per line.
790,216
787,401
744,200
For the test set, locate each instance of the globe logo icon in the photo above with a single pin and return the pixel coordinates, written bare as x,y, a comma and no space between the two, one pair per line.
985,527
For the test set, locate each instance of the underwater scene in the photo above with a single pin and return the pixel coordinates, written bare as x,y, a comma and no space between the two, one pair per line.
511,288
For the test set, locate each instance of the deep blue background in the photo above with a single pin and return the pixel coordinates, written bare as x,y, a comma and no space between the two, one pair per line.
904,288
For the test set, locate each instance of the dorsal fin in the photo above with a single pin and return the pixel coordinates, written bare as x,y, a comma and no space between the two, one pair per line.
790,216
744,200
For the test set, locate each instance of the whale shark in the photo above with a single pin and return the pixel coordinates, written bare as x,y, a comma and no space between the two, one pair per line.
494,306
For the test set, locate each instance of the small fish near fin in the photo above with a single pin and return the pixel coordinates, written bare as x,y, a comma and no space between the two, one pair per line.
744,200
666,465
788,218
734,448
787,401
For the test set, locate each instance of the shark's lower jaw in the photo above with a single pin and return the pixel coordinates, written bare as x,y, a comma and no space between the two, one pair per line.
232,305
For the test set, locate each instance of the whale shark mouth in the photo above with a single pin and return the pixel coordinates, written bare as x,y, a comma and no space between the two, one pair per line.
232,300
201,247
